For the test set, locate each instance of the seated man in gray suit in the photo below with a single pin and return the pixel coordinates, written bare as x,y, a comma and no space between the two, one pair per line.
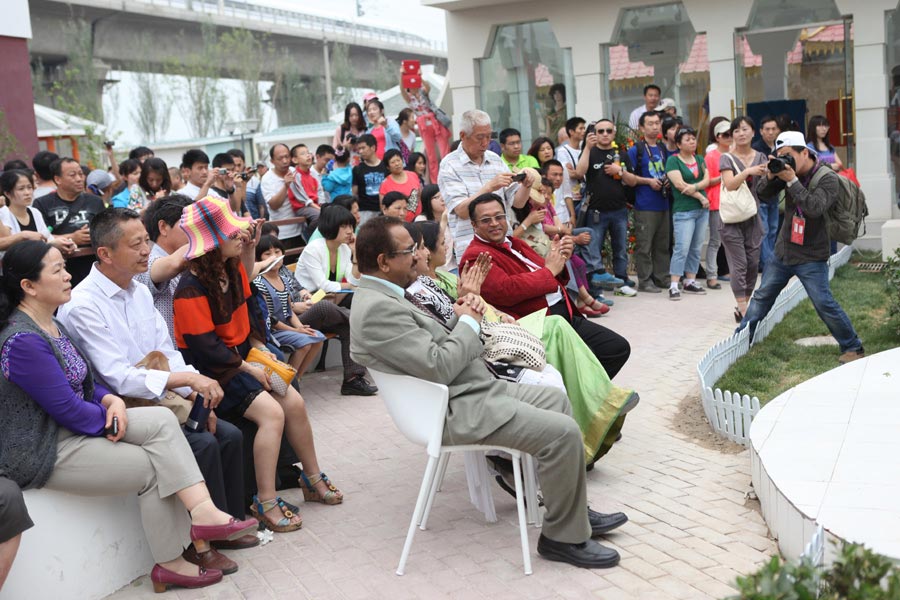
391,334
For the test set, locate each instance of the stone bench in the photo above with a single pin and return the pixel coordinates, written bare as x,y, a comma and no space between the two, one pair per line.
80,548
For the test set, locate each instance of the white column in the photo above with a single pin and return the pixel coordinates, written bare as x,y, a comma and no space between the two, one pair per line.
871,99
719,20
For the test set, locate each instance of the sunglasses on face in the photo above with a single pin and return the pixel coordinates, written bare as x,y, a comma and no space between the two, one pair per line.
606,131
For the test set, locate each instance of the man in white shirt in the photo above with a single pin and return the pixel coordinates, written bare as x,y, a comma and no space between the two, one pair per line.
568,154
112,319
472,170
196,174
274,186
652,94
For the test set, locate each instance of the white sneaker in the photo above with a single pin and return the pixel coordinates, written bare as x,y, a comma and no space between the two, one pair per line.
624,290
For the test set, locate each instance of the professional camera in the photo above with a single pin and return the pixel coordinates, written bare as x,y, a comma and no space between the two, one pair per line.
778,163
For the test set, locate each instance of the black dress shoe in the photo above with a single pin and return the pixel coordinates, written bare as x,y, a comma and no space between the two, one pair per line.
601,523
358,386
588,555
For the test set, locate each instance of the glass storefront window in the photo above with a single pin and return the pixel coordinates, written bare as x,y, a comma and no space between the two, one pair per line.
525,67
658,44
893,69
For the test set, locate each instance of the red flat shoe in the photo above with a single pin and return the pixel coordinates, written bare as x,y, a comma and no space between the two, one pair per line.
163,579
229,531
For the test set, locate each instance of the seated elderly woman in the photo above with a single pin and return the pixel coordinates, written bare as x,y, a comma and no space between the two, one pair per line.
598,406
64,431
394,204
327,263
286,301
215,329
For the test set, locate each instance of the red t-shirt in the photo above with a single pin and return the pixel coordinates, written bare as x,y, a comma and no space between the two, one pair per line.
412,184
712,165
310,185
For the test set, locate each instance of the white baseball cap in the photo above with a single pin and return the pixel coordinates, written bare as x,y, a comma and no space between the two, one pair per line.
722,127
666,103
792,138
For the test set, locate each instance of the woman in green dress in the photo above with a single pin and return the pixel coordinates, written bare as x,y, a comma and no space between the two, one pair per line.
598,405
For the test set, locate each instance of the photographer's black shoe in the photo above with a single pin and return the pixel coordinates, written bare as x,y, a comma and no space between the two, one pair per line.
588,555
601,523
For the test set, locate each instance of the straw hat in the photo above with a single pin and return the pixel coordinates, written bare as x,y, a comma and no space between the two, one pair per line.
535,192
208,223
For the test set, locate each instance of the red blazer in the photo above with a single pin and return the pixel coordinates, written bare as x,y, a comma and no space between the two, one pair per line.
510,285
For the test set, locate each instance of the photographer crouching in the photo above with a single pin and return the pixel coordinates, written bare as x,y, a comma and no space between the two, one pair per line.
803,245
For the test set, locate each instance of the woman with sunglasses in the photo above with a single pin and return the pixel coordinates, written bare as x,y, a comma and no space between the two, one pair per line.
690,212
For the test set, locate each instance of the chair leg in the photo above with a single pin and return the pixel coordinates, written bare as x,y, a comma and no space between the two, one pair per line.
520,505
320,366
529,473
427,481
435,487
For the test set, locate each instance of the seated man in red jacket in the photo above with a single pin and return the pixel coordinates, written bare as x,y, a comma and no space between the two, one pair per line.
520,282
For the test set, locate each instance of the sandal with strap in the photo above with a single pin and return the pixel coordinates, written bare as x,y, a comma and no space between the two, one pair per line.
284,525
311,494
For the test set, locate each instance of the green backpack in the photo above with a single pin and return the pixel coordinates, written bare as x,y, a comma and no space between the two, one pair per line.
847,213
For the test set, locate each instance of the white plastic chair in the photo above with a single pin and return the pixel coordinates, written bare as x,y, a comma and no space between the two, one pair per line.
419,408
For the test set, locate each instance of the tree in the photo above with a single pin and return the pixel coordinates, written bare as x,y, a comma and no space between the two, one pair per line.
154,97
297,99
343,77
386,72
201,99
245,56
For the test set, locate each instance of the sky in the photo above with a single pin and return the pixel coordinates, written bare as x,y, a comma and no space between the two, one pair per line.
405,15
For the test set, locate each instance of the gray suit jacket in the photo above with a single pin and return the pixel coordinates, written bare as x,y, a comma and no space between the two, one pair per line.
389,334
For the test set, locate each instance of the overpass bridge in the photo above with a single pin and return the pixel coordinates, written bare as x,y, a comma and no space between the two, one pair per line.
173,29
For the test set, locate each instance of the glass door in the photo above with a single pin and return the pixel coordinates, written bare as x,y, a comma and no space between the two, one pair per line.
799,72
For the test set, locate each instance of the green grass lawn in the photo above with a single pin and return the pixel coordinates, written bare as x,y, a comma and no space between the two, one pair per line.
777,364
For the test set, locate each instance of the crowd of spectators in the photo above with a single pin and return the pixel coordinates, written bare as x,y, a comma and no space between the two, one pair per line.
136,296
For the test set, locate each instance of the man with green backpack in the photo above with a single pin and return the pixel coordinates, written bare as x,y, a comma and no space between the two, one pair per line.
818,206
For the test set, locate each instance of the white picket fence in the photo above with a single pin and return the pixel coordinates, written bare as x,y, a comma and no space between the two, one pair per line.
730,413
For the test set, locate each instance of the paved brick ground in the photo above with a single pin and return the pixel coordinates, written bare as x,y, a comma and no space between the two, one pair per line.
691,531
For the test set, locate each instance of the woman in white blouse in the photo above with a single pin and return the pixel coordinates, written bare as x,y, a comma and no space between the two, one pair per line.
19,220
327,263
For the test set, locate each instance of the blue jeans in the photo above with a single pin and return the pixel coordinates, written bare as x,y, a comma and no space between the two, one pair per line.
616,221
690,231
814,277
768,213
589,253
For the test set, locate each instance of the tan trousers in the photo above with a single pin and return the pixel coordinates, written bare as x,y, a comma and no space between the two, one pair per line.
544,428
152,460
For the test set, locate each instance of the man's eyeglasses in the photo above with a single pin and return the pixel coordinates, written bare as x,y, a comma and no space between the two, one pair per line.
607,131
410,250
492,220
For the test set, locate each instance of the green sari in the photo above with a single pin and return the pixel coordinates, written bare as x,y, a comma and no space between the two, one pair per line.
596,402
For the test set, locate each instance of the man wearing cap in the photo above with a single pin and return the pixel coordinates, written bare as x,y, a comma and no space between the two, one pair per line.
652,92
667,106
110,305
803,245
100,182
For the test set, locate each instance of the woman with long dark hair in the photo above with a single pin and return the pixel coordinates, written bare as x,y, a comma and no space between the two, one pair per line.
353,126
155,179
64,431
418,164
817,140
215,329
23,221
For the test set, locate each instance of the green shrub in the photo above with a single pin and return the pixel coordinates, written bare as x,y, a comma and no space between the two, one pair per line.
858,574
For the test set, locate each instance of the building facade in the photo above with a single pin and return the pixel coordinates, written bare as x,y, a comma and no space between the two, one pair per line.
838,58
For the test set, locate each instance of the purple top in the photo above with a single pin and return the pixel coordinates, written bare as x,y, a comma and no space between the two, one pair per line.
27,361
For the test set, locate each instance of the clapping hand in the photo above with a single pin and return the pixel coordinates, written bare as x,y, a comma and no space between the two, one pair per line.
473,274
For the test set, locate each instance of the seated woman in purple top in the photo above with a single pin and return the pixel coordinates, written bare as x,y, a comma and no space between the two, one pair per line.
61,430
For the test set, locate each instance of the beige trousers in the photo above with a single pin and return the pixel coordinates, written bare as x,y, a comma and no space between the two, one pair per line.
544,428
152,460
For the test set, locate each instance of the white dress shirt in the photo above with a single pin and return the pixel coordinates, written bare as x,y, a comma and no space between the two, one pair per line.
116,328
